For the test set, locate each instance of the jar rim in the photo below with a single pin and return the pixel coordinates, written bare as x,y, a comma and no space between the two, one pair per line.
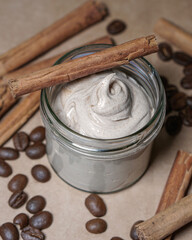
160,104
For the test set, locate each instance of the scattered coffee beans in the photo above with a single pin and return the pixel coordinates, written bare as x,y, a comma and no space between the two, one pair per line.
133,233
41,220
186,115
116,26
41,173
38,134
96,225
188,70
30,233
22,220
18,182
36,204
7,153
189,101
186,82
165,51
164,81
182,58
95,205
8,231
36,151
21,141
116,238
178,101
170,90
5,169
17,199
173,125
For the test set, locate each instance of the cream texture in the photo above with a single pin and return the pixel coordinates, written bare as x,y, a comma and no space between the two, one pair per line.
106,105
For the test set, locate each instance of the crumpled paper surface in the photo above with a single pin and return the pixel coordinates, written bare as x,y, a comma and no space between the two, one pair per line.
20,20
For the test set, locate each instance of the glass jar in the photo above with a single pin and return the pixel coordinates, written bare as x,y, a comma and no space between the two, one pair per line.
103,165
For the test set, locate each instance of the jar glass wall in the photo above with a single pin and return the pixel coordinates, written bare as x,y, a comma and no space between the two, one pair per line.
103,165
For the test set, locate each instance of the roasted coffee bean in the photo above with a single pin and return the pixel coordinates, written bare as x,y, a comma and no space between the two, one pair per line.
18,182
41,220
182,58
7,153
170,90
36,151
189,101
8,231
133,233
41,173
178,101
186,115
22,220
116,26
165,52
17,199
21,141
95,205
173,125
36,204
116,238
38,134
96,225
30,233
5,169
164,81
187,70
186,82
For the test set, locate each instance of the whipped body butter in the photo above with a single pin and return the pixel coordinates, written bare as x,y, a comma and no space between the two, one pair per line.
100,128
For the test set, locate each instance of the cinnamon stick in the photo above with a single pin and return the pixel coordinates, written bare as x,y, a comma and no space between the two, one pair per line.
6,98
50,61
174,34
177,182
18,116
165,222
80,67
76,21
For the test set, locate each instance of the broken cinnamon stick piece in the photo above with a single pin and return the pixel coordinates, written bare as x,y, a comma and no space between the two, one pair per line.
174,34
18,116
48,62
84,66
79,19
165,222
177,182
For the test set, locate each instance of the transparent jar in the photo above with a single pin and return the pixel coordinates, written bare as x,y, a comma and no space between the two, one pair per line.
103,165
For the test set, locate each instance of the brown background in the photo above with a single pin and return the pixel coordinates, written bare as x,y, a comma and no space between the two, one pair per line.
19,20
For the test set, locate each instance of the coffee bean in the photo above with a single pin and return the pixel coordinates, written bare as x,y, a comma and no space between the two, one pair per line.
133,233
21,141
8,231
30,233
173,125
22,220
96,225
116,26
182,58
5,169
41,173
178,101
95,205
17,199
36,204
186,115
186,82
170,90
164,81
41,220
36,151
7,153
165,52
18,182
187,70
116,238
38,134
189,101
